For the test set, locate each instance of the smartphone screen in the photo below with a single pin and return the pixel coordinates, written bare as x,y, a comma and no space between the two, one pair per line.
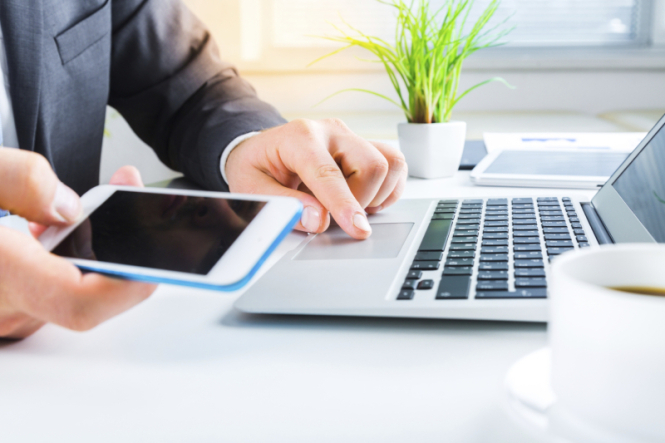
162,231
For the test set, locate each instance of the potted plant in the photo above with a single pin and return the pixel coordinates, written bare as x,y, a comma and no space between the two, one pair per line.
424,66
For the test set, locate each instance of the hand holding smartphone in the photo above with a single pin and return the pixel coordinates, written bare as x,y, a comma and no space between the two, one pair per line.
201,239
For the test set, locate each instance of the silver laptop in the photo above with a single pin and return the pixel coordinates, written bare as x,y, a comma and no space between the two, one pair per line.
485,258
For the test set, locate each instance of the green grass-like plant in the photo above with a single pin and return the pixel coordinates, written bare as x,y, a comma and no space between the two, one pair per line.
425,63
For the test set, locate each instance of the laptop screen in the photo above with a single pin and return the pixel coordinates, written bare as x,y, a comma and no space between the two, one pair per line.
642,186
632,203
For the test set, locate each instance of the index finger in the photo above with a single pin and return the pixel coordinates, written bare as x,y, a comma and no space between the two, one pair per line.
318,170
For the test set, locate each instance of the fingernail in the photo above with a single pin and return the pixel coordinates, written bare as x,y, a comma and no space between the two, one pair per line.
67,203
310,219
360,222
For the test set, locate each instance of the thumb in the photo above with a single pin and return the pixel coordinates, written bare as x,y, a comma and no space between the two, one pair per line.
315,217
31,189
127,176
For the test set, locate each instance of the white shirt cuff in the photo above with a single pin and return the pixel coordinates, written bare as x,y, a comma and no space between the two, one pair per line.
231,146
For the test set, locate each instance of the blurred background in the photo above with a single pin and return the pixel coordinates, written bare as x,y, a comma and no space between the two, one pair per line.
577,65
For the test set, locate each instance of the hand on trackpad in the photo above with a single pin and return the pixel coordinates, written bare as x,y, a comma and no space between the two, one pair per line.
386,242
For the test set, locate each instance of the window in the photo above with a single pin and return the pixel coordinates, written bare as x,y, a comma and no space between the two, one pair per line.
284,35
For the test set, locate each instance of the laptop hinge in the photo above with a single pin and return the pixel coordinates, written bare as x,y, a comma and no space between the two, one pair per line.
597,226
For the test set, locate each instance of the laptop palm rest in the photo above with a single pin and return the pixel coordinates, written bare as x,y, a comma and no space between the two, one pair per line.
386,242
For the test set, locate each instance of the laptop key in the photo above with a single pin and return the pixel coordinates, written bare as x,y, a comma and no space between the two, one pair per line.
414,275
425,265
583,244
529,273
429,256
463,247
466,233
551,213
526,240
426,284
523,211
436,236
576,225
493,266
469,216
458,270
464,239
496,214
443,217
445,210
531,263
501,229
494,250
409,284
530,283
459,262
526,221
453,287
531,227
555,230
558,243
565,236
497,201
494,257
550,218
495,243
522,293
473,221
574,219
495,236
578,231
557,251
547,199
533,233
462,270
406,294
492,286
554,224
528,255
522,200
493,275
493,218
523,216
520,248
496,224
461,254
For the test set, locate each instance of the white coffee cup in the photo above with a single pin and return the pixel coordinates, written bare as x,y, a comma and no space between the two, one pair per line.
608,347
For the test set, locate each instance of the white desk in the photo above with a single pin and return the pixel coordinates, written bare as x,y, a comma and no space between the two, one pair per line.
185,367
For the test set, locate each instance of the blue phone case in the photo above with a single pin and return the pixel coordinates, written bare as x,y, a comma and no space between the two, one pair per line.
227,288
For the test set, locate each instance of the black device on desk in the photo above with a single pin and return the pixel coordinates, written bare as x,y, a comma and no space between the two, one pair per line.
474,152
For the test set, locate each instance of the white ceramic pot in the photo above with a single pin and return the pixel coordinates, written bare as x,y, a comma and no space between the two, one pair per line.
432,150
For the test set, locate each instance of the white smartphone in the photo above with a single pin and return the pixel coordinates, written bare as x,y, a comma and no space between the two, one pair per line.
210,240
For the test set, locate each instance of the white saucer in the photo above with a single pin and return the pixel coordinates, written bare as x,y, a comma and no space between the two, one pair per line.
531,401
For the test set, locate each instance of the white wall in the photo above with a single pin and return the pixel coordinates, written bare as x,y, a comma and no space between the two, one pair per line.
592,92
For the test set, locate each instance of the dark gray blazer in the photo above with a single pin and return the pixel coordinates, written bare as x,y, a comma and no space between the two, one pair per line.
152,60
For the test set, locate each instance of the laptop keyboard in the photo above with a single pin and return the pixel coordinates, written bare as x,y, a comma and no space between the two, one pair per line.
498,249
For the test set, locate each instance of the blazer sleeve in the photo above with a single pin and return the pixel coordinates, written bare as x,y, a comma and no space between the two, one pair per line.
170,84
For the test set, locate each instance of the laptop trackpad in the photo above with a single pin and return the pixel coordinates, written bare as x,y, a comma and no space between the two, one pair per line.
385,242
